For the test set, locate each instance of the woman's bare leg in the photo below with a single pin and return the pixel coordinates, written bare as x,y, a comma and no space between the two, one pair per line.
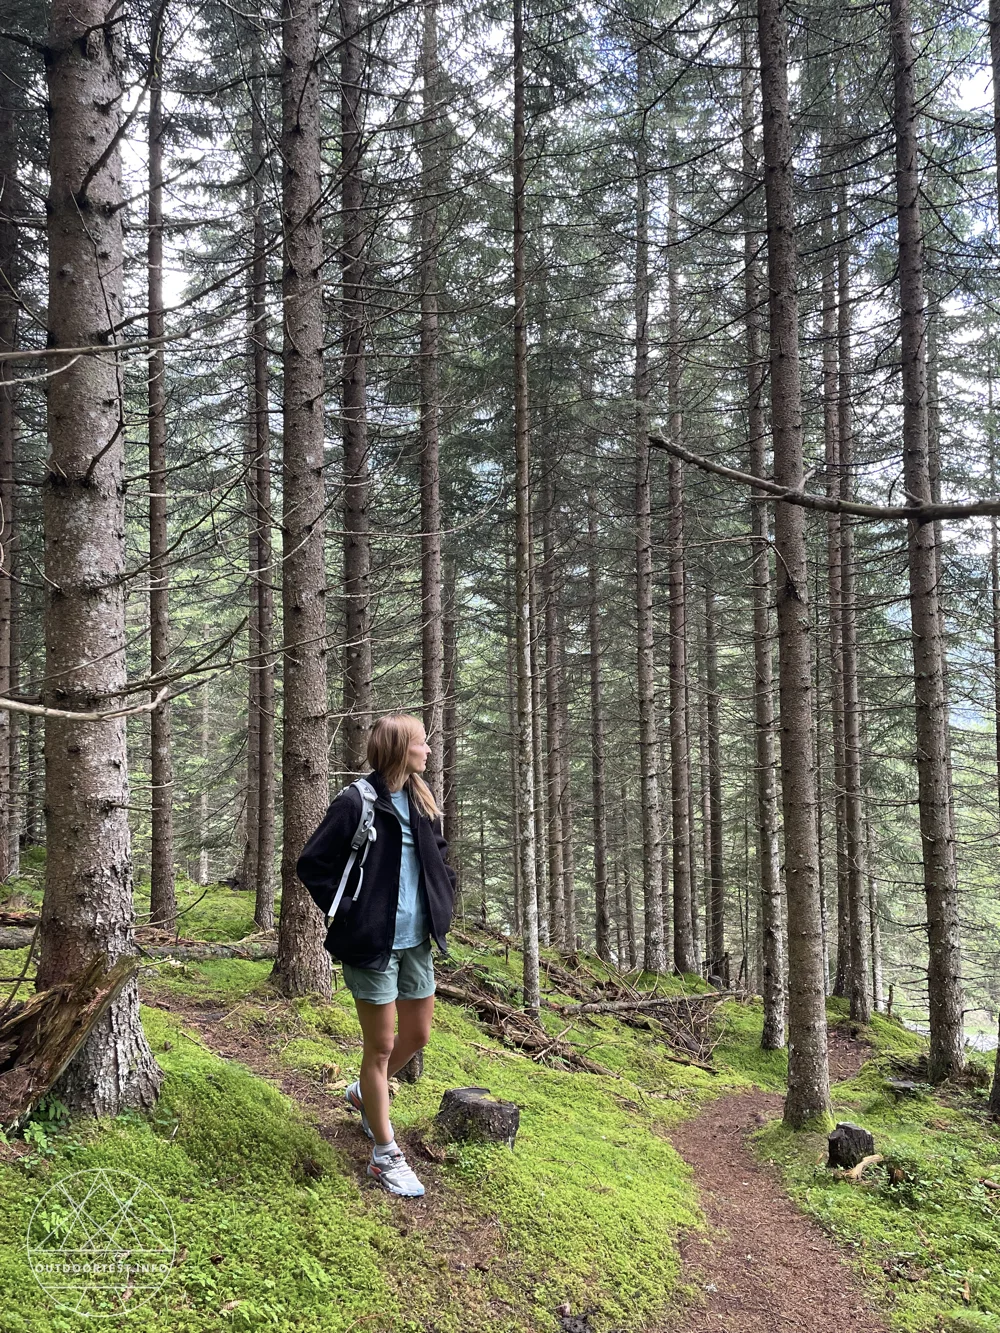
377,1024
414,1030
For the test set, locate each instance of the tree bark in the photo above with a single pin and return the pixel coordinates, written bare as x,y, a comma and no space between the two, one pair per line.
449,720
944,980
653,953
357,542
162,899
261,837
831,435
88,907
553,722
537,750
626,862
808,1075
680,754
602,923
863,915
203,736
9,286
717,898
302,965
522,449
768,858
430,407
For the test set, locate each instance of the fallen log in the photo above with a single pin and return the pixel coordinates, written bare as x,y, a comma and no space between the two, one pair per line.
630,1006
15,937
252,949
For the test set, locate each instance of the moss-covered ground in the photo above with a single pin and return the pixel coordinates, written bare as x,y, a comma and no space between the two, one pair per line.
924,1226
276,1227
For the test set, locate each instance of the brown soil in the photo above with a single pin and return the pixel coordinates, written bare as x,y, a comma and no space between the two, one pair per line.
765,1267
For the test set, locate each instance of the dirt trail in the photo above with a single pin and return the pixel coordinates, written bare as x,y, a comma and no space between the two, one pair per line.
765,1267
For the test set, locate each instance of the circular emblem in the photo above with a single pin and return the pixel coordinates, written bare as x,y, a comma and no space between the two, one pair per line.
100,1242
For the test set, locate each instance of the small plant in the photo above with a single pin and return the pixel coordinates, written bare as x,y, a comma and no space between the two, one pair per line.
48,1119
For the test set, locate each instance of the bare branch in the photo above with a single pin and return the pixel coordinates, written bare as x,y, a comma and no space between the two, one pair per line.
829,504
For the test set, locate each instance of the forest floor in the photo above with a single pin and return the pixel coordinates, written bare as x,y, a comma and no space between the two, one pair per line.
629,1205
763,1267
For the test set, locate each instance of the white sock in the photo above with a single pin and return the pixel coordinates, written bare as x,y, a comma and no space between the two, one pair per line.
384,1149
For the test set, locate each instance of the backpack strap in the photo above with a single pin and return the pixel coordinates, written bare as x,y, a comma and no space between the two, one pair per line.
364,835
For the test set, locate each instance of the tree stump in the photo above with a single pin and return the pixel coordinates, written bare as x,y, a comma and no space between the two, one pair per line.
471,1113
412,1070
849,1144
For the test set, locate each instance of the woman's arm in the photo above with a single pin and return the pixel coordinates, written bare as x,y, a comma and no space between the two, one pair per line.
322,860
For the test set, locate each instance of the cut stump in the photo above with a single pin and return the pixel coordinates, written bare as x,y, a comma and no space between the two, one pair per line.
412,1070
471,1113
849,1144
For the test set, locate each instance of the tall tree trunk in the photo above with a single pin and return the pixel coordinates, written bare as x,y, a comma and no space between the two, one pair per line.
553,722
602,924
203,860
357,542
680,756
9,286
162,899
430,407
653,953
994,27
717,899
88,906
808,1075
626,862
768,860
537,750
944,980
863,920
261,836
770,910
34,786
566,776
302,964
831,435
878,997
512,738
449,718
522,449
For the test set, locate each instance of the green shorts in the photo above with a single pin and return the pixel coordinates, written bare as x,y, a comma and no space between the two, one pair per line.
409,976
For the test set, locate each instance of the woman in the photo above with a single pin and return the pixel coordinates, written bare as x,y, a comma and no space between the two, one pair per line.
383,937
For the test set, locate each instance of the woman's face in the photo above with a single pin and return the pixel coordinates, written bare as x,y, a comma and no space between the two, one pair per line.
418,752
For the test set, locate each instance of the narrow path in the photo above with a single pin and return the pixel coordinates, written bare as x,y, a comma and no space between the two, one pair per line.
764,1267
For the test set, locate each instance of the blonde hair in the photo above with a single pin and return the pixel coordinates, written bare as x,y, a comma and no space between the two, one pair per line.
388,742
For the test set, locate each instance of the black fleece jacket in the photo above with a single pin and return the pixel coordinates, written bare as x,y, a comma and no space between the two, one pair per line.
362,932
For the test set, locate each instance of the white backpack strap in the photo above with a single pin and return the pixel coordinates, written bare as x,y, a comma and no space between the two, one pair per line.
364,835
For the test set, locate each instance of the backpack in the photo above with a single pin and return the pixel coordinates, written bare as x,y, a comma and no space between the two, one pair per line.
364,835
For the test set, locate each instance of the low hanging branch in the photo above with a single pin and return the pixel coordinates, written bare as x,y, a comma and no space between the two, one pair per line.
927,513
38,710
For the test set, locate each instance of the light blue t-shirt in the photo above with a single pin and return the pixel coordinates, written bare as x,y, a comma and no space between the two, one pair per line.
412,924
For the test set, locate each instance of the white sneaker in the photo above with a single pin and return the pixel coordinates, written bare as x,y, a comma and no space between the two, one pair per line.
352,1096
394,1174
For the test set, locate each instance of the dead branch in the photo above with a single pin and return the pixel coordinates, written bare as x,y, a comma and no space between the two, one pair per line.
915,513
856,1172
